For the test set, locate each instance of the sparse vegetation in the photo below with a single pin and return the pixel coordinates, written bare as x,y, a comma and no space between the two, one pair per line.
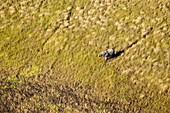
49,63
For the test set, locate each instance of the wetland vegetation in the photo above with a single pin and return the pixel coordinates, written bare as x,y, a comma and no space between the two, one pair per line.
49,56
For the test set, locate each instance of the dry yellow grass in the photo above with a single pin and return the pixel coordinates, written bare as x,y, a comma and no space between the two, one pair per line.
48,56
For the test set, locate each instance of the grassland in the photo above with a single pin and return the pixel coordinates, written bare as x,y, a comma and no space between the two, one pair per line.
49,49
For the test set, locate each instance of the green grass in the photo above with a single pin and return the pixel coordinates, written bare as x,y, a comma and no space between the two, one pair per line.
49,44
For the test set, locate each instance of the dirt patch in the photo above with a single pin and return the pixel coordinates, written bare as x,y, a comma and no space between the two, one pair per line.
42,95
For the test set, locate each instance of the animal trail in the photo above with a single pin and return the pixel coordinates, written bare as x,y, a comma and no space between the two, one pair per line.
110,53
134,43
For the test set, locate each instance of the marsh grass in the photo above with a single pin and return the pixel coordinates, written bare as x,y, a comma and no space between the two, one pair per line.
49,47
